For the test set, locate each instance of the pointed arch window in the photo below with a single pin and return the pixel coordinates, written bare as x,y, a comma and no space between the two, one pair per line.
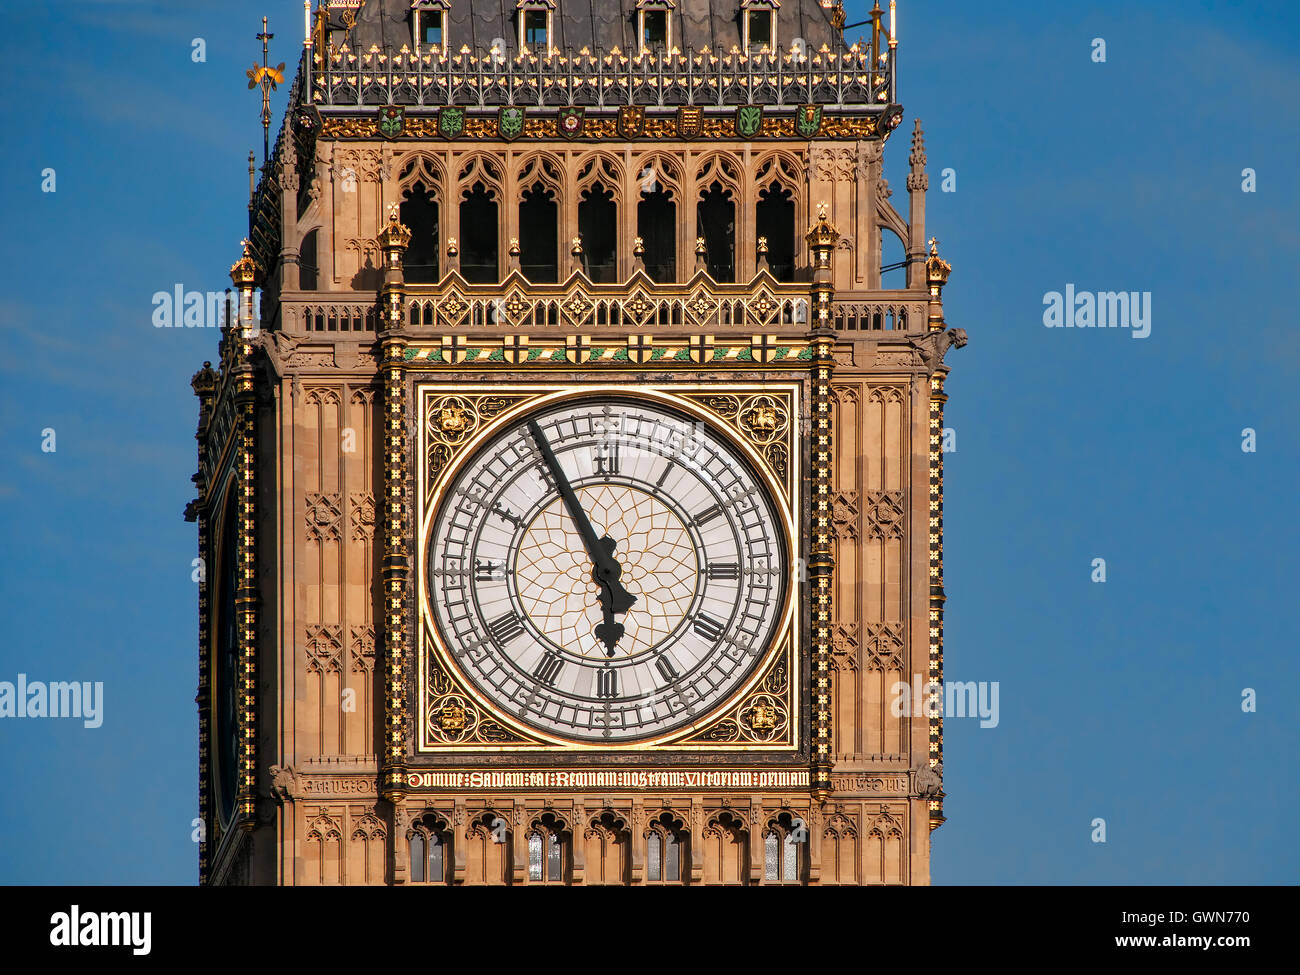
598,226
716,216
419,213
479,238
548,851
774,222
430,846
665,850
539,234
784,845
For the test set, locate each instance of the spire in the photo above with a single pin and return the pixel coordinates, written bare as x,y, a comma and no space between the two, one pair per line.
918,179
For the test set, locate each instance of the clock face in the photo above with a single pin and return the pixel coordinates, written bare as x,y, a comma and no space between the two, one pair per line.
607,570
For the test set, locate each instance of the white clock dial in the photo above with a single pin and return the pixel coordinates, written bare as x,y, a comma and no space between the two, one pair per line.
607,570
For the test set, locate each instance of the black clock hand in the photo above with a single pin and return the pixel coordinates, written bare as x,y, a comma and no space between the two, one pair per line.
606,569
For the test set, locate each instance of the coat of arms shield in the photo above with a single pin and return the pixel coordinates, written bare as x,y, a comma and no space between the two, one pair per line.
631,122
689,122
570,121
510,122
392,121
808,120
749,121
451,122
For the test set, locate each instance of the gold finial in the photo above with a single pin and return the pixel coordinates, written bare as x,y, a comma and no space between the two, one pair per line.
823,211
577,246
452,249
396,234
514,246
245,270
700,248
762,245
838,17
638,247
937,270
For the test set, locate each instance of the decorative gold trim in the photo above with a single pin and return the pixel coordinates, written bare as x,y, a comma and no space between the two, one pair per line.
525,398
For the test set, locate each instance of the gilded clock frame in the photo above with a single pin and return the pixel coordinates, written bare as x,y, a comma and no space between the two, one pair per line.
774,688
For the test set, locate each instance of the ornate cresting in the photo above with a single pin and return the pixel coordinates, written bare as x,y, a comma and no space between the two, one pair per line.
937,272
204,384
393,240
821,244
239,339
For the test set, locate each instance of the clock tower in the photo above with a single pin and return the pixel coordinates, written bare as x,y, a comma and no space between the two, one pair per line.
570,482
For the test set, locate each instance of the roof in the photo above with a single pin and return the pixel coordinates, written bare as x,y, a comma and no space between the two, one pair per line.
598,25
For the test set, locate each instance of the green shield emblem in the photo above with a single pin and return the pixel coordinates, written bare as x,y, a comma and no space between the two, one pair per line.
749,120
808,120
451,122
510,122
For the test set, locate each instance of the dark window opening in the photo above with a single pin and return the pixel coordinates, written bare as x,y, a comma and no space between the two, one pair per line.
478,245
536,23
430,852
716,218
539,233
760,29
308,263
656,225
654,28
419,213
431,28
598,225
775,221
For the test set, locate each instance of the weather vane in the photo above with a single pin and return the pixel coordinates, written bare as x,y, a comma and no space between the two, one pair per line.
270,79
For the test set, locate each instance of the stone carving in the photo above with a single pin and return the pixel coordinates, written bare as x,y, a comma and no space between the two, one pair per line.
844,513
324,516
935,346
285,783
886,514
929,782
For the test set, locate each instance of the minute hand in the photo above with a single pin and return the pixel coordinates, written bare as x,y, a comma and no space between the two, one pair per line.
607,569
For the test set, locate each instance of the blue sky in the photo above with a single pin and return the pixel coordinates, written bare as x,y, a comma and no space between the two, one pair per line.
1119,700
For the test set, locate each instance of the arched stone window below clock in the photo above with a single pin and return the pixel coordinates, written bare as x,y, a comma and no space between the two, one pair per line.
726,850
429,839
550,851
666,850
785,845
609,850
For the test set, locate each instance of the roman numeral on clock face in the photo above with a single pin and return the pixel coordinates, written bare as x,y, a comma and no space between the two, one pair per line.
709,628
549,668
723,570
666,669
607,459
505,628
607,683
707,515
